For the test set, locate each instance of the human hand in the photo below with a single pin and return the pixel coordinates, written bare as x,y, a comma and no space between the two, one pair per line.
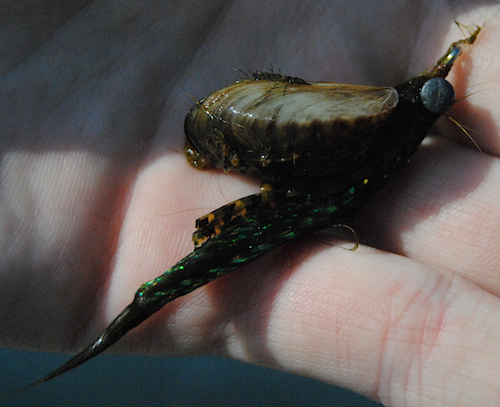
95,200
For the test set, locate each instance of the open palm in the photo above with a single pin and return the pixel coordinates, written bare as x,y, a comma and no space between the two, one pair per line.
97,198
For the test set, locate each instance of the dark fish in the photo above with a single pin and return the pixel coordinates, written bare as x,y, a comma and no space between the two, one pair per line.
322,150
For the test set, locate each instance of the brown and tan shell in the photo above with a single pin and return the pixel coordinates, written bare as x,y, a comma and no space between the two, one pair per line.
283,131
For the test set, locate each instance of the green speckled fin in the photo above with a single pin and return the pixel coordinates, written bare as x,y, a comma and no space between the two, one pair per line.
242,241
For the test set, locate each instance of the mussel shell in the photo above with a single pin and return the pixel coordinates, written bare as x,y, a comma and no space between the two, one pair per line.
289,131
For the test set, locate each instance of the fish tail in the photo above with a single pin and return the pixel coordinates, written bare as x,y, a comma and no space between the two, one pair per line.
245,239
128,319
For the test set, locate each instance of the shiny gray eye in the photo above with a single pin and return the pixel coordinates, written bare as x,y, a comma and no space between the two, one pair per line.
437,95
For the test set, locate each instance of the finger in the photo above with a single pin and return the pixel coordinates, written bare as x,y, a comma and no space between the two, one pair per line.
477,86
443,211
167,198
377,323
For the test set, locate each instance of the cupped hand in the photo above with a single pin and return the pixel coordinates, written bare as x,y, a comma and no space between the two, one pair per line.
97,198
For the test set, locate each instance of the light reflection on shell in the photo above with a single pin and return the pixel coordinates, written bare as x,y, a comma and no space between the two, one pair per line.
280,129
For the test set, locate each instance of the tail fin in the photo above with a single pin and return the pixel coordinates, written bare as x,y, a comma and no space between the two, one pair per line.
128,319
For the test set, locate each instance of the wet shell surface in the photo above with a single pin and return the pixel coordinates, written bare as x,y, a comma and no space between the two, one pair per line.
282,130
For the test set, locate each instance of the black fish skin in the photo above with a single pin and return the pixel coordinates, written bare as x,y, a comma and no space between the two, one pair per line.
281,215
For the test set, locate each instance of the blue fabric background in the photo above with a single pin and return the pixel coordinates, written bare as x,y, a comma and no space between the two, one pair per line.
142,381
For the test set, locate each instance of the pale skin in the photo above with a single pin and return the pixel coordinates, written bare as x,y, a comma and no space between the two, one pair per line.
97,197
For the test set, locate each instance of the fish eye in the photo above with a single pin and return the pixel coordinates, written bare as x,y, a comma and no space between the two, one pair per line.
437,95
